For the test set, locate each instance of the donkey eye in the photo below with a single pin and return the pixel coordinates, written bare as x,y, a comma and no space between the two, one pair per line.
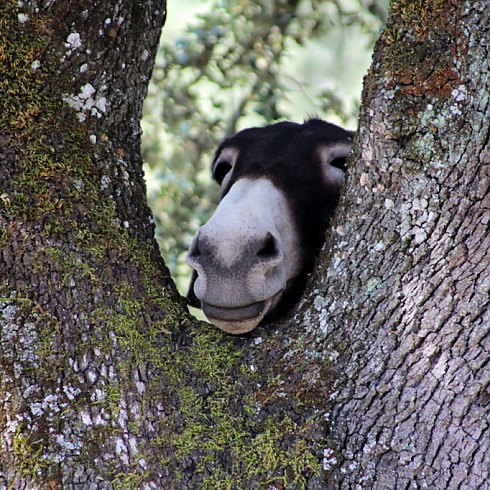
220,171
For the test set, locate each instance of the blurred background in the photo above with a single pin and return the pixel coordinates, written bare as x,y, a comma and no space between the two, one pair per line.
224,65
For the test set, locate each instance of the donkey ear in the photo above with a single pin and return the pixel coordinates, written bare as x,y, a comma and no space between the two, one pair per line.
192,299
333,158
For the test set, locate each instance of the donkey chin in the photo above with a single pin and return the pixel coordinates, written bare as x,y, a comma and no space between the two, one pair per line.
240,320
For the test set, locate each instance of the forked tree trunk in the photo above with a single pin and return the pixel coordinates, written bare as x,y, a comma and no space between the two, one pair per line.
106,381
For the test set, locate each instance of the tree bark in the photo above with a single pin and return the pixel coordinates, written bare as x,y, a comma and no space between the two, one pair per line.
107,382
403,304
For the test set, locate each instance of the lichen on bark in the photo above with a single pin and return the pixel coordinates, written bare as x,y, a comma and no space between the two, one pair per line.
106,380
410,314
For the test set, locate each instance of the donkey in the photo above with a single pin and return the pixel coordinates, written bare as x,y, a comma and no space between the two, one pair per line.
279,188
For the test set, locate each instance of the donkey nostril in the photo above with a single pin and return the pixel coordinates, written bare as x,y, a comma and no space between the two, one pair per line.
269,248
340,163
194,250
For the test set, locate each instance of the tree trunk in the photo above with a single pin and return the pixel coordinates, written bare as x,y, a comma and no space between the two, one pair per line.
105,380
403,304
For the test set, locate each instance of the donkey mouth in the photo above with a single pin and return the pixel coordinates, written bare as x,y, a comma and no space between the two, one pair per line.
237,321
242,319
234,314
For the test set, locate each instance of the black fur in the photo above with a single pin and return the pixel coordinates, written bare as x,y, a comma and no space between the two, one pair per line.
287,153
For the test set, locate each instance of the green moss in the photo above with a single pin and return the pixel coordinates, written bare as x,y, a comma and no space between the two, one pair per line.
56,182
28,454
208,355
49,172
226,423
414,31
128,481
57,178
112,396
263,450
262,458
421,16
217,423
221,421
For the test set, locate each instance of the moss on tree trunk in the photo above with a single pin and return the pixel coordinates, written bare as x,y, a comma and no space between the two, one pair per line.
377,378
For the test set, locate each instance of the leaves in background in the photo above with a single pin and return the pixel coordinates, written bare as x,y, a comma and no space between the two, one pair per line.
243,63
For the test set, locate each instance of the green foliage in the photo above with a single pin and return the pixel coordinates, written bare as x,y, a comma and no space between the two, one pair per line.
243,63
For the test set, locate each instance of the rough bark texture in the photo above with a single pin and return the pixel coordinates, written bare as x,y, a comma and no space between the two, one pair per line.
381,377
105,381
77,247
403,306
